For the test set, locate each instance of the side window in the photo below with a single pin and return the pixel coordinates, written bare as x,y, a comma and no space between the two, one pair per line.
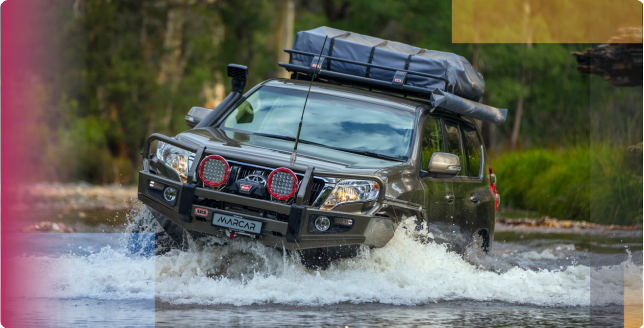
432,140
473,147
453,136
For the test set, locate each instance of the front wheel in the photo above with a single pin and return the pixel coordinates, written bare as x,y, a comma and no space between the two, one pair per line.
153,234
321,258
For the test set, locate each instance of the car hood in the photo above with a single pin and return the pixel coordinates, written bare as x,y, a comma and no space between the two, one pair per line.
259,149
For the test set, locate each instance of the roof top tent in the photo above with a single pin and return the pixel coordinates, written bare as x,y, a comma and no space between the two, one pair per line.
448,80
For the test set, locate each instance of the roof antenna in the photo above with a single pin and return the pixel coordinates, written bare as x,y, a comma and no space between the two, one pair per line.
316,67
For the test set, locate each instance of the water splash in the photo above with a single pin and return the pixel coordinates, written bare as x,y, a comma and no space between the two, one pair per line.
404,272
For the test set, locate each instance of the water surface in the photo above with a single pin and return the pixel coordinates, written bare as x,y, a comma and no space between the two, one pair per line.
528,279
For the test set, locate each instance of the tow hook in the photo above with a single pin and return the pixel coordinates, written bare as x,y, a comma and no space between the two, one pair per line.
230,234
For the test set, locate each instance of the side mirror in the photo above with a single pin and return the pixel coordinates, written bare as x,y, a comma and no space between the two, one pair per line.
444,163
196,115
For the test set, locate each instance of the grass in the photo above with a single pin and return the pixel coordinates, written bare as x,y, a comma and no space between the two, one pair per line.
600,184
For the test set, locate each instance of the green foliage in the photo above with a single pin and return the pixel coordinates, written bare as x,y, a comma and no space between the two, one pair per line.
615,184
124,71
131,68
601,184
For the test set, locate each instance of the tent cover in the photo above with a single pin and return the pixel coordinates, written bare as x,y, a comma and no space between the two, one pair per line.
457,78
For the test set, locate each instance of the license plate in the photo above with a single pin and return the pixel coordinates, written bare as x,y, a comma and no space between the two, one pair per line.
235,223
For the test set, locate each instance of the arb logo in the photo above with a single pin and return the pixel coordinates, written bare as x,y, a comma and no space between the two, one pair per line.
201,211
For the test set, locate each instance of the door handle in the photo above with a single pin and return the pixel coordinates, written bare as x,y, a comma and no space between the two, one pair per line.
450,198
474,199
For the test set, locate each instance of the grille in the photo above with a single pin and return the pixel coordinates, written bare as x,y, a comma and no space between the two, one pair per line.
318,185
244,170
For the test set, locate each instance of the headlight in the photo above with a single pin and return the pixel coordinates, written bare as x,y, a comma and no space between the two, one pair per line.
352,191
177,158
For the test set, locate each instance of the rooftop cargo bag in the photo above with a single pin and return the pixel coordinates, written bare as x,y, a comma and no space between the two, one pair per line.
460,78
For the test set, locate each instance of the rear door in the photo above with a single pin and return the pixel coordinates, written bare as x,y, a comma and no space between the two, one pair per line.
468,185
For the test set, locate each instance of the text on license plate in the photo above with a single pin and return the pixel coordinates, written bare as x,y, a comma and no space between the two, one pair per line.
236,223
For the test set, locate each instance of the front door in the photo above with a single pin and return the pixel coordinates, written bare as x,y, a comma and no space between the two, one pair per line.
439,196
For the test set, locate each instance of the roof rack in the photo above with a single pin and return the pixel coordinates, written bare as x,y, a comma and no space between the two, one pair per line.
398,83
438,98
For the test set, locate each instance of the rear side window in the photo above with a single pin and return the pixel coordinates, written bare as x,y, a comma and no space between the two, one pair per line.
453,136
432,140
473,147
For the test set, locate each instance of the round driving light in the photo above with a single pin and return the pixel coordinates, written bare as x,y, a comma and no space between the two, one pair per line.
214,171
282,183
322,223
170,194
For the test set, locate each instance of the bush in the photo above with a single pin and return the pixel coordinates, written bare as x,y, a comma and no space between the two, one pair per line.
602,184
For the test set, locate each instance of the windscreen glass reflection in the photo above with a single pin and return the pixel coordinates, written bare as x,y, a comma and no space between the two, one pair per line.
328,120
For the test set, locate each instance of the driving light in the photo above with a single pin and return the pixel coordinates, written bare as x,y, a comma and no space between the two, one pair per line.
352,191
322,223
282,183
170,194
343,222
156,185
214,171
177,158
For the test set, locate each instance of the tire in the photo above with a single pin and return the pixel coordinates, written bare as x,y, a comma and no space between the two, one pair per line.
153,234
485,242
321,258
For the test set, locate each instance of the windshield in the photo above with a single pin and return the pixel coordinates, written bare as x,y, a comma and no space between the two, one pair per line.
328,120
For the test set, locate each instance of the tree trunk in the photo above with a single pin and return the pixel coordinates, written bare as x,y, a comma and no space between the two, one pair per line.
486,128
173,61
517,123
285,34
519,112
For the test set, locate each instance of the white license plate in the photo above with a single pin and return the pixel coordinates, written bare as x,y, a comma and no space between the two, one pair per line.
236,223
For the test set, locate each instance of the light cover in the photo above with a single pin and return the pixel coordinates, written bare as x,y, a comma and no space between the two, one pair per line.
170,193
177,158
282,183
214,171
343,221
322,223
352,191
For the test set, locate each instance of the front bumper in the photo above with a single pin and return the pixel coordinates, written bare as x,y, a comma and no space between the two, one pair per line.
294,233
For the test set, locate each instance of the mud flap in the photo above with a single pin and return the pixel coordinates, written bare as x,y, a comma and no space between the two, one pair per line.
295,223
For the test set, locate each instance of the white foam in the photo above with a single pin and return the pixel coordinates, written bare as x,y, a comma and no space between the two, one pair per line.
404,272
109,275
555,252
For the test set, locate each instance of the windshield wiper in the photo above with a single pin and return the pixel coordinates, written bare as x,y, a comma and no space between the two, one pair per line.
383,156
353,151
274,136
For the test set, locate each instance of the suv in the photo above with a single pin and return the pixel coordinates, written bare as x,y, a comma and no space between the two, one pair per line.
366,160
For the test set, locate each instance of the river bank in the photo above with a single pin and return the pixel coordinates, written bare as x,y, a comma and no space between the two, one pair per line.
69,203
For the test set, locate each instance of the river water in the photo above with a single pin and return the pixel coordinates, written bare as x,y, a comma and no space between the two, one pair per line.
531,277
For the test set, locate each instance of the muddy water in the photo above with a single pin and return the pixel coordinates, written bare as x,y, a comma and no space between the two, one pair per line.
531,278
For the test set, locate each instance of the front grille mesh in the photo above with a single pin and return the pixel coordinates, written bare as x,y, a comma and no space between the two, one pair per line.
243,170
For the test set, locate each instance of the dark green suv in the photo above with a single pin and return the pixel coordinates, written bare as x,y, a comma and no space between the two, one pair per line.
366,160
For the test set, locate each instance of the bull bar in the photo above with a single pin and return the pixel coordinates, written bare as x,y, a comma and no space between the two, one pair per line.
368,228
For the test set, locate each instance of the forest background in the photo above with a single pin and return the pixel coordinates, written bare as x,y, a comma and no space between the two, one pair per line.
571,146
